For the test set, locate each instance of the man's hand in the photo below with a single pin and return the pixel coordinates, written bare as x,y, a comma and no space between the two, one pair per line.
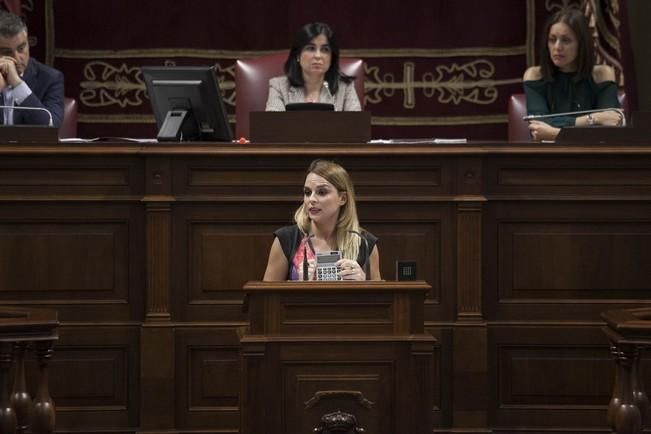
9,72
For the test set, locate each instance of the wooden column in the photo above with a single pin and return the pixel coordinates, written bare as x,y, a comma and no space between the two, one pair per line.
470,337
157,375
43,413
7,414
469,246
20,399
159,227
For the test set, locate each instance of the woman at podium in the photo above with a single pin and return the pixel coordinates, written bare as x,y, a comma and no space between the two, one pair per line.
568,81
326,226
312,73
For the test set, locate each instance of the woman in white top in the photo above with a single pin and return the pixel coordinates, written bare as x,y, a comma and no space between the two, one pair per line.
312,73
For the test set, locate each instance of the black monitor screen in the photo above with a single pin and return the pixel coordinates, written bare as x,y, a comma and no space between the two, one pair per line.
187,103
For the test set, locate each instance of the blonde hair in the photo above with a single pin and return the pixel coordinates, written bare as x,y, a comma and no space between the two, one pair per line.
347,223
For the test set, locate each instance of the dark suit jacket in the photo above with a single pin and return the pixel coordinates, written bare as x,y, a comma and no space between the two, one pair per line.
47,91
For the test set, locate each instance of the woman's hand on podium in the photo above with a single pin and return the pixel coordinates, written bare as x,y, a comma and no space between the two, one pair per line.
350,270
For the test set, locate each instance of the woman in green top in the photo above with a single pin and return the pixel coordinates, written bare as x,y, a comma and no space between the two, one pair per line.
567,79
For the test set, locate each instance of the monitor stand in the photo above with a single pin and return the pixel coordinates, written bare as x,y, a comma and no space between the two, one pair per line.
179,125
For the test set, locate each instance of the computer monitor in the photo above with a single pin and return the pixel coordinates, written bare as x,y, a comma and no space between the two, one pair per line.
187,103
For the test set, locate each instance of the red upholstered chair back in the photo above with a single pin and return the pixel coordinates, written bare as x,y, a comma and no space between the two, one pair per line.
252,84
68,127
518,131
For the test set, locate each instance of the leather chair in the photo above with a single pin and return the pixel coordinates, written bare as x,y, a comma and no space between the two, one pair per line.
68,127
252,84
518,129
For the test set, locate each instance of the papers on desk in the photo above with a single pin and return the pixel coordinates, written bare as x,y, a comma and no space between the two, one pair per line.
107,139
420,141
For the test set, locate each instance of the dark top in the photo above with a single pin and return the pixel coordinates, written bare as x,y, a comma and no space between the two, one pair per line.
563,94
292,241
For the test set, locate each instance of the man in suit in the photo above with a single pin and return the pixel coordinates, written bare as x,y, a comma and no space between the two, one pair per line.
24,82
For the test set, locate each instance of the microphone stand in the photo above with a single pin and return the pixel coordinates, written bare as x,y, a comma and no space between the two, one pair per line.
332,97
305,264
43,109
575,113
367,254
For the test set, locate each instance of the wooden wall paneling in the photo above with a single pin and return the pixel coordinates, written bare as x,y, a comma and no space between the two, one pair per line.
549,375
158,258
275,177
61,177
422,232
94,378
95,231
81,258
217,248
468,239
207,380
259,365
158,189
158,374
566,260
469,267
239,178
563,175
442,376
470,391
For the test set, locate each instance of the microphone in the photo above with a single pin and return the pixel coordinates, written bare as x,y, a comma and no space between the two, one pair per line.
367,254
307,239
42,109
576,113
327,87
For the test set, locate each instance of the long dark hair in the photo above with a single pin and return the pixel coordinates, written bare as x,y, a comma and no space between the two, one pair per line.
304,37
576,21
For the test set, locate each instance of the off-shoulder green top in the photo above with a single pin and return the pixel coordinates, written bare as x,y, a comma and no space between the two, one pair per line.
563,94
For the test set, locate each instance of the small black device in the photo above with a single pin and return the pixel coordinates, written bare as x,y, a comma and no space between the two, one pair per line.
325,265
187,103
310,106
405,270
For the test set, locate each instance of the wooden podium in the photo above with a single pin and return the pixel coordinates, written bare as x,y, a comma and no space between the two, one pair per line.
317,347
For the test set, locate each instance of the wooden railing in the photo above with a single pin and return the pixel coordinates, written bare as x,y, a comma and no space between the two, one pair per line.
629,332
22,330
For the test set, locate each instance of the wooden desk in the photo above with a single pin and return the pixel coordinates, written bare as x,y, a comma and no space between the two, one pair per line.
144,250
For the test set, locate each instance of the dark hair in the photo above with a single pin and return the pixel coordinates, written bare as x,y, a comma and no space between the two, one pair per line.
304,37
10,24
576,21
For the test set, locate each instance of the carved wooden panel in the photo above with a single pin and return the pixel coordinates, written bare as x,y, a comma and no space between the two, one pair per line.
574,260
208,378
578,176
273,176
410,177
372,380
315,388
71,176
565,260
72,255
239,177
442,375
94,377
216,252
549,375
420,233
